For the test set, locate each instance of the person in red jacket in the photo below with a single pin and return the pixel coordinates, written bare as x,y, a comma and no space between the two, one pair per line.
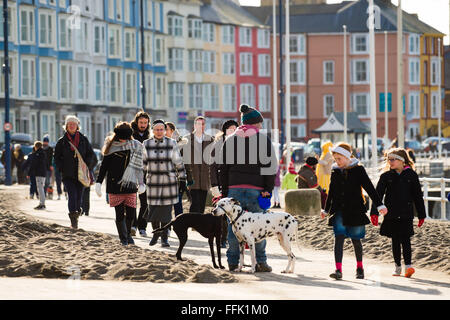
401,190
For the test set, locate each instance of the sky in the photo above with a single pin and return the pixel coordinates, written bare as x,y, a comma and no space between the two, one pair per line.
433,12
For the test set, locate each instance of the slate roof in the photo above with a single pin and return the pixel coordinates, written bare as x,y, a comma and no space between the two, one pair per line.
228,12
354,124
329,18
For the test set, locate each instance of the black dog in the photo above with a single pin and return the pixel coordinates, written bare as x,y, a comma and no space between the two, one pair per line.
207,225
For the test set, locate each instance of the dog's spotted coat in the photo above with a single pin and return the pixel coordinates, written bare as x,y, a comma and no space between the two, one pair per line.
251,228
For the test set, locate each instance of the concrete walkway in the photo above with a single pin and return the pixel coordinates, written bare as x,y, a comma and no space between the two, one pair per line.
310,280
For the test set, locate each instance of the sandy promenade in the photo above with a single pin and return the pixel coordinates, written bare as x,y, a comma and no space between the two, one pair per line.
40,258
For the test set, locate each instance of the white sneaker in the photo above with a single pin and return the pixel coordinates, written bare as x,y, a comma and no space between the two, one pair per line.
397,271
143,233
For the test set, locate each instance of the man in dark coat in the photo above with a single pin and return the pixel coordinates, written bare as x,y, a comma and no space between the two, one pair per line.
141,132
248,170
49,153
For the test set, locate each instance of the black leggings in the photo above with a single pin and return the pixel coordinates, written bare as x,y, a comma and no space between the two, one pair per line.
339,248
121,210
397,245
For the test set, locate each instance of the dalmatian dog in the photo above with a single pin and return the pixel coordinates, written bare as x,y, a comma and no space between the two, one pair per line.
251,228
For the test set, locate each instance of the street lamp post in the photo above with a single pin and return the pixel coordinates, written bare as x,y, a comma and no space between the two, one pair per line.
288,88
345,84
373,97
142,54
7,127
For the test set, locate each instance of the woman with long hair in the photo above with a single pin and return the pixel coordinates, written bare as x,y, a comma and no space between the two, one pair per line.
122,163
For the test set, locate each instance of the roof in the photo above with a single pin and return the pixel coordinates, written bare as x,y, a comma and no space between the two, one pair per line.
228,12
335,123
328,18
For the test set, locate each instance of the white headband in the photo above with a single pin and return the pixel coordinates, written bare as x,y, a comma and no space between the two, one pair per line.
342,151
396,156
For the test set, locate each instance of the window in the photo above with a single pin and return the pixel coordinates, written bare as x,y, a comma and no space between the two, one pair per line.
264,65
99,39
48,125
82,83
46,29
228,34
176,94
160,48
85,123
126,11
210,96
359,43
10,17
175,59
26,25
148,41
245,37
209,61
360,102
149,13
298,72
263,38
195,58
247,94
434,72
12,77
434,104
209,32
130,87
66,80
228,63
328,105
195,96
119,15
130,45
111,9
194,28
298,130
425,105
229,97
414,107
414,44
246,64
328,72
160,91
360,71
47,79
425,45
298,106
82,36
175,26
296,44
115,86
425,72
115,42
264,97
414,71
100,85
65,34
28,77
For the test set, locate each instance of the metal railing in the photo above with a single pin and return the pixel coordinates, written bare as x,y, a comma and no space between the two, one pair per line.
432,154
442,199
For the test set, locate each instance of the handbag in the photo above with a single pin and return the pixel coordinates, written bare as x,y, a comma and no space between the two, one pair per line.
83,170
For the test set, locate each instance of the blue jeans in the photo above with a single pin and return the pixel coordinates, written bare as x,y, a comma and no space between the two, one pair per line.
249,201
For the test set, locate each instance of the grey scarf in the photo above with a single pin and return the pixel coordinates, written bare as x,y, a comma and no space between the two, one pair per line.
133,175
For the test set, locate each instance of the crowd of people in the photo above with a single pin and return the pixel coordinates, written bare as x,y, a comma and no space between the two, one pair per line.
152,162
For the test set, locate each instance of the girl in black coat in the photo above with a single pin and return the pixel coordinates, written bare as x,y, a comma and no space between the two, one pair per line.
122,164
345,204
401,190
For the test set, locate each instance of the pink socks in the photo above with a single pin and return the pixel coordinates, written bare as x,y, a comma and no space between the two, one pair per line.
359,264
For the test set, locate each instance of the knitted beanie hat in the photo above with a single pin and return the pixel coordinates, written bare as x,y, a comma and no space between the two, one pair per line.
311,161
72,118
250,115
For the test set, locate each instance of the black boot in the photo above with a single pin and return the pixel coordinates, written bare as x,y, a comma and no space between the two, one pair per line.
165,238
74,219
156,235
122,231
129,223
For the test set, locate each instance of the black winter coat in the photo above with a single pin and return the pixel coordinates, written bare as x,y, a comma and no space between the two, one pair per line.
66,160
345,195
114,165
401,193
37,163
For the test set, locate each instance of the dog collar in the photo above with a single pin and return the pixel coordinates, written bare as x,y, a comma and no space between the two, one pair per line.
238,216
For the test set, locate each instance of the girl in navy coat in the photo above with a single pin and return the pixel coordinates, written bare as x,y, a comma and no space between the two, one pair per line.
401,190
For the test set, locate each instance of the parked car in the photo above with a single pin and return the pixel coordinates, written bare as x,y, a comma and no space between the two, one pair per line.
446,146
426,144
414,145
315,144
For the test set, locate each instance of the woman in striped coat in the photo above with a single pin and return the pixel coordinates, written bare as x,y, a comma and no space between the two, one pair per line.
164,166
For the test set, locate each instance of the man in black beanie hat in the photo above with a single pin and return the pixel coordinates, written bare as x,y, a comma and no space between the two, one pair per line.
248,169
